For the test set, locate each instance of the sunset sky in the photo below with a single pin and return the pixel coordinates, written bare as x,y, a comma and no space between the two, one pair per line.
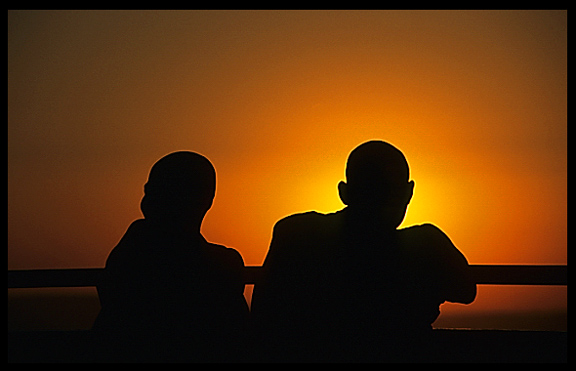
476,100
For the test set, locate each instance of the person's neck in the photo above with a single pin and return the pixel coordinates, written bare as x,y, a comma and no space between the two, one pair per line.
367,223
182,226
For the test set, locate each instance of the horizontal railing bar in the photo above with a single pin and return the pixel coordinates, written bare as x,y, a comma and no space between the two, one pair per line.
483,275
520,274
53,278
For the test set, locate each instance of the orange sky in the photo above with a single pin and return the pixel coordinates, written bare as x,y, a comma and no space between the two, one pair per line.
477,101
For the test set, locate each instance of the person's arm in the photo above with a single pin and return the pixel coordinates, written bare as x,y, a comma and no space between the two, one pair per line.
236,268
456,282
269,290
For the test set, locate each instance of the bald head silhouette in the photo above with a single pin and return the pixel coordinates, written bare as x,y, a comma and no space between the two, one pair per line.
377,183
181,185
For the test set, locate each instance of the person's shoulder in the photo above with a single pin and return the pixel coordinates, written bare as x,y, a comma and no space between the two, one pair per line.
426,230
138,226
430,240
136,230
301,224
301,220
128,249
226,254
427,234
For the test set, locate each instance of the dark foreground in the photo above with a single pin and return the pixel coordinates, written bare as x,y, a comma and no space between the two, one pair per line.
462,346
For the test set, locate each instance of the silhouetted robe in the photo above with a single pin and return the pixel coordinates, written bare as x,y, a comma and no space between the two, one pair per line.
331,292
172,297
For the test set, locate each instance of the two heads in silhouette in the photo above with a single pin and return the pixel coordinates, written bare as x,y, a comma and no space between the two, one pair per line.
182,185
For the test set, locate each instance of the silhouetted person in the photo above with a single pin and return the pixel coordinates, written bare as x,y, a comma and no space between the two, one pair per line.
167,294
350,286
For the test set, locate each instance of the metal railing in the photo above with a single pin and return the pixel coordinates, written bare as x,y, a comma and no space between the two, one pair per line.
492,346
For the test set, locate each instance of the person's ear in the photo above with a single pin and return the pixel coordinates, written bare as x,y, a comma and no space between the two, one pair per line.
343,192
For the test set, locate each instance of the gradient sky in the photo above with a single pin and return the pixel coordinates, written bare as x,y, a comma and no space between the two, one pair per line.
477,101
